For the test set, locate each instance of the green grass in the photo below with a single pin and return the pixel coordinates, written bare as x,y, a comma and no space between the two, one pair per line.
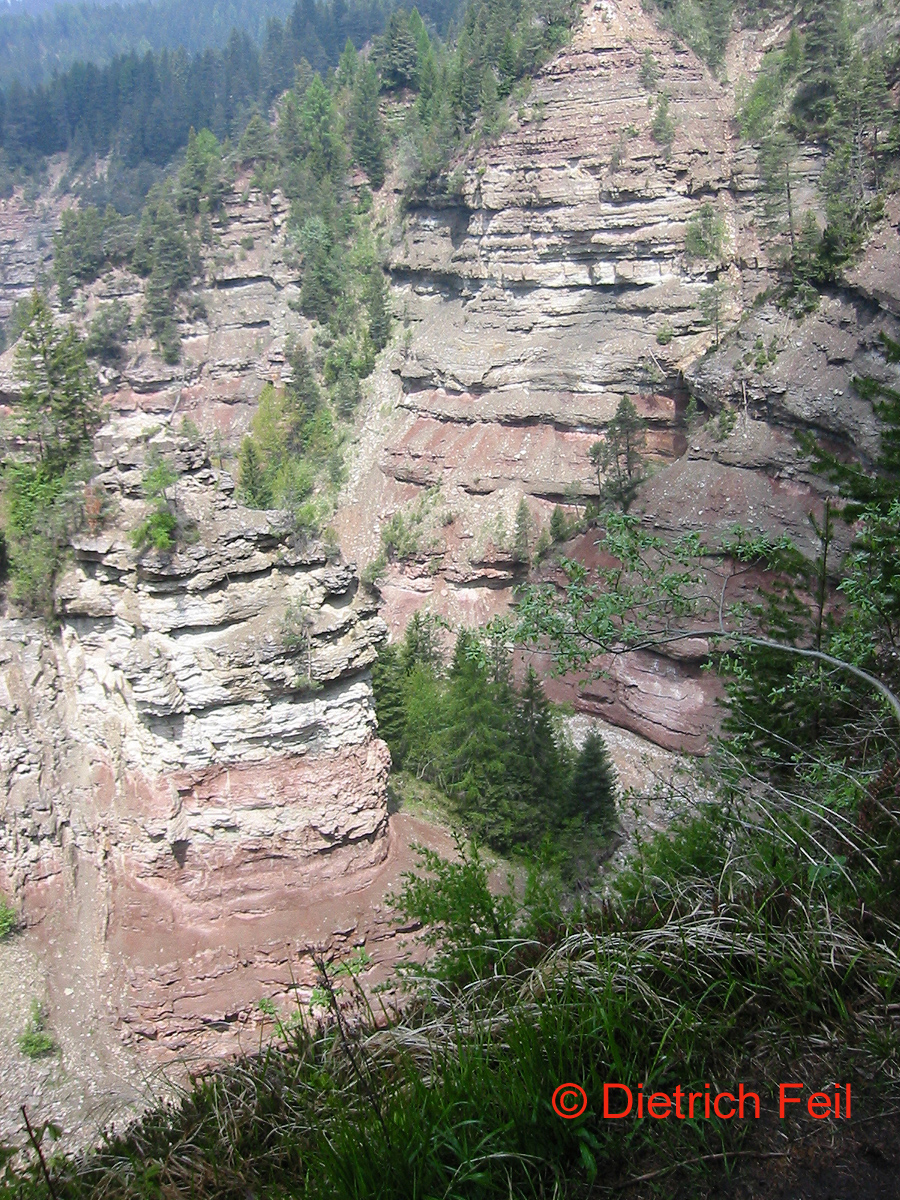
35,1041
9,918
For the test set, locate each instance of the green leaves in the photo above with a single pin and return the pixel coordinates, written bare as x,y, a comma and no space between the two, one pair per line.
642,598
59,397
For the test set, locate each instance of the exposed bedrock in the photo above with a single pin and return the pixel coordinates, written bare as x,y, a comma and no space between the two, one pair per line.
195,746
555,280
550,280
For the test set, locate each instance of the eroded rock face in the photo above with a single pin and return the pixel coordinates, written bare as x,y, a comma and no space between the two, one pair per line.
26,247
556,280
233,340
235,343
196,747
551,281
535,296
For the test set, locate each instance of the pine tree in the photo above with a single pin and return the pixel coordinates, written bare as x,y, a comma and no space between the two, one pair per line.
365,121
255,490
594,788
619,460
559,526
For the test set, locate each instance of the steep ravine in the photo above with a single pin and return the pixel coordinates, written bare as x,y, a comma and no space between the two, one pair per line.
190,798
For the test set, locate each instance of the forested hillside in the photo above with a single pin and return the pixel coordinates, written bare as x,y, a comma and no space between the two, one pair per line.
143,104
38,43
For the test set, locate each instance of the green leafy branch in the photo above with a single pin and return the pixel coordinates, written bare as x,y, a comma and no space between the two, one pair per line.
654,593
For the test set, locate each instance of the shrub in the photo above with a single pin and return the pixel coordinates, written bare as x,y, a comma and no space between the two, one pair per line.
160,528
400,537
649,73
663,129
725,422
9,919
157,531
705,235
35,1041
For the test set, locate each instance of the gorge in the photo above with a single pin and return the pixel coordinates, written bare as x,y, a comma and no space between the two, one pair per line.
193,785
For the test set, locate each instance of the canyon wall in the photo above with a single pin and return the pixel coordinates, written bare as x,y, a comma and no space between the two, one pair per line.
191,757
551,280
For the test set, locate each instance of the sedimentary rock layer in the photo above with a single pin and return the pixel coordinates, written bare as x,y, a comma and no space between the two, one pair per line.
197,740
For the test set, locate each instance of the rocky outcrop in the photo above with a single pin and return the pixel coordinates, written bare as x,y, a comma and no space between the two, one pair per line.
26,247
196,745
234,326
555,280
242,317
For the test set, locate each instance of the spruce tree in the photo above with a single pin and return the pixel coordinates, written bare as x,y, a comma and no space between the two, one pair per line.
776,169
825,46
256,144
347,65
304,396
388,677
422,643
59,396
539,760
479,748
254,488
378,310
399,53
365,121
712,306
594,788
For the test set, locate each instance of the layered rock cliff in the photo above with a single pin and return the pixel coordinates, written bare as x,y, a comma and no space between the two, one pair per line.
194,747
191,760
556,280
551,279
